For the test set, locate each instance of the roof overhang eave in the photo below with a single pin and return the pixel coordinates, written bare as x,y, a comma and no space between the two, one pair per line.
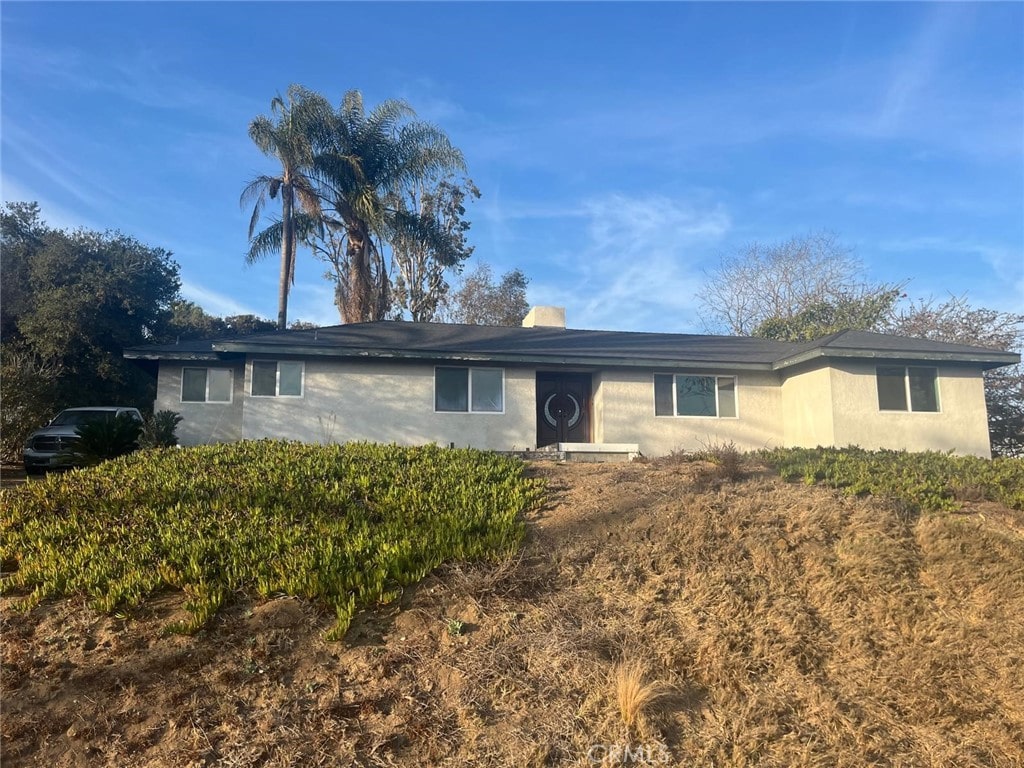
141,354
597,361
985,361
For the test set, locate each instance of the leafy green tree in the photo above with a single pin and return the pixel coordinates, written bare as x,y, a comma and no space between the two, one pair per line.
421,283
479,300
75,300
869,312
243,324
291,135
371,161
71,302
190,321
28,394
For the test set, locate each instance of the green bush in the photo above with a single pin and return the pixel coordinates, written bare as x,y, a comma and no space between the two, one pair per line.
932,481
348,525
159,430
103,439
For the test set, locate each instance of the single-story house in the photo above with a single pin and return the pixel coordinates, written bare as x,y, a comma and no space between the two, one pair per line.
522,388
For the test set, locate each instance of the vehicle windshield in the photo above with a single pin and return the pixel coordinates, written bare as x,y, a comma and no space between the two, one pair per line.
74,418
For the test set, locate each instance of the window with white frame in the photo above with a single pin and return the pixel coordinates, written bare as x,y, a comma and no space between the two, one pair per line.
686,395
469,390
273,378
206,385
902,386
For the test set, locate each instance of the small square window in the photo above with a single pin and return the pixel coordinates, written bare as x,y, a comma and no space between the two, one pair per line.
264,378
218,385
271,378
451,389
924,389
469,390
193,385
705,396
899,386
695,396
206,385
892,390
486,386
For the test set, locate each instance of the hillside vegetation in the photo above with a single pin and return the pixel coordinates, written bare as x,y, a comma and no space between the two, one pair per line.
657,614
348,526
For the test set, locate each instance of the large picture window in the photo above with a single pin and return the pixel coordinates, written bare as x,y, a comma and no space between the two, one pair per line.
206,385
685,395
271,378
469,390
902,386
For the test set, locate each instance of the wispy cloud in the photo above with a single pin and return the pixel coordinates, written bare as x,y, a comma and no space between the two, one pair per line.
214,302
138,74
313,303
917,65
994,279
636,267
57,216
61,171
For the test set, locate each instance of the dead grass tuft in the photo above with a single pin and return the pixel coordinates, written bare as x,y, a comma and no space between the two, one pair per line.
636,696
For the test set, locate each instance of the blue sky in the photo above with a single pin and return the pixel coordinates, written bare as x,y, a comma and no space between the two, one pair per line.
620,149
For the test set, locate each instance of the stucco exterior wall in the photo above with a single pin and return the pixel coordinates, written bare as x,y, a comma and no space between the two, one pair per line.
627,403
394,402
807,409
960,425
201,422
597,400
389,402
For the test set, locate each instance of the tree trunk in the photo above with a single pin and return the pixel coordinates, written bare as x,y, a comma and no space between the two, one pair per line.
287,256
358,309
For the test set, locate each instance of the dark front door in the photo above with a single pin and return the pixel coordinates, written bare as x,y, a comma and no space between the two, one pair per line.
563,408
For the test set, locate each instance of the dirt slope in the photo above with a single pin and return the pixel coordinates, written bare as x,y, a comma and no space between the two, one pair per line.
776,624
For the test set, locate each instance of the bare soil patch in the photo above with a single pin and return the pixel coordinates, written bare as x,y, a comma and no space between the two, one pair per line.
744,623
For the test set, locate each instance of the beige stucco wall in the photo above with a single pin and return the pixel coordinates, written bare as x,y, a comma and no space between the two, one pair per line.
597,400
960,425
389,402
807,413
394,402
627,403
201,422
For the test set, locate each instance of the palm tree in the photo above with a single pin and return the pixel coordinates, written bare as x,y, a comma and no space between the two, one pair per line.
372,160
292,135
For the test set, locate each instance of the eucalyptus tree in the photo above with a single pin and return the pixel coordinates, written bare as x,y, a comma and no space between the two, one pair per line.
421,284
297,128
371,162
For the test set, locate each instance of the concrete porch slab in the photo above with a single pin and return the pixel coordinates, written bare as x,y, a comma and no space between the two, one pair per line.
593,451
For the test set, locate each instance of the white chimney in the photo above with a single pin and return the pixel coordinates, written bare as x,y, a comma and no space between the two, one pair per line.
545,317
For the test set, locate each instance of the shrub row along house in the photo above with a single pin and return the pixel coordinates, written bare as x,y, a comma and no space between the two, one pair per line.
521,388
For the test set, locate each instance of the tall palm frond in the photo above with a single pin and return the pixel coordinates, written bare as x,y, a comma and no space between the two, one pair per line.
301,126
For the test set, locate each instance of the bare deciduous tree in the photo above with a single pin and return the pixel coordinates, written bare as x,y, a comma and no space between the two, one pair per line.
779,281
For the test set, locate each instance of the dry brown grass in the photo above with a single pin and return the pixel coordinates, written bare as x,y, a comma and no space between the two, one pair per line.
635,694
760,623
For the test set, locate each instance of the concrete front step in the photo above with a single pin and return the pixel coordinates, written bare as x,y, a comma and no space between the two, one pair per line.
592,451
